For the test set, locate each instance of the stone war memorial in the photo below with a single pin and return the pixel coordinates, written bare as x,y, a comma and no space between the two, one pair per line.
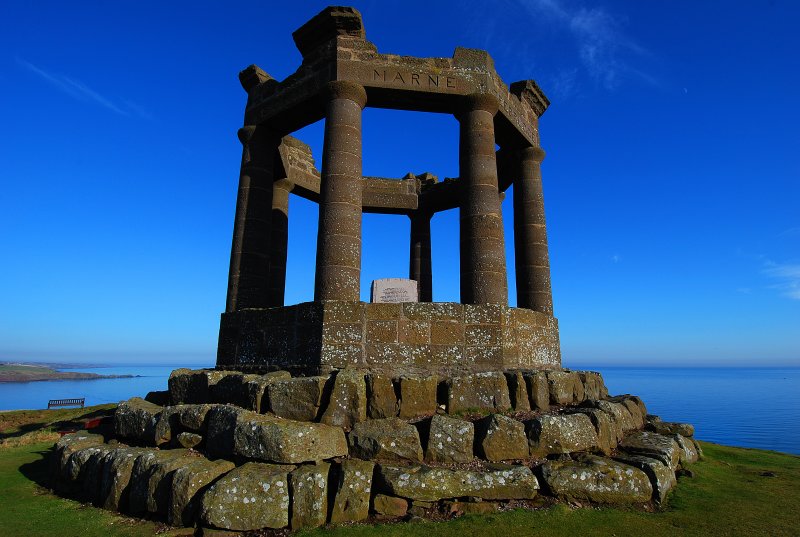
340,411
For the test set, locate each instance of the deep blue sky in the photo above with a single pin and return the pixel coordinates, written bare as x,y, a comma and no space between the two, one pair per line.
671,182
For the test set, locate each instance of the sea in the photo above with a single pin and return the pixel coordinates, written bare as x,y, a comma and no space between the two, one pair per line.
745,407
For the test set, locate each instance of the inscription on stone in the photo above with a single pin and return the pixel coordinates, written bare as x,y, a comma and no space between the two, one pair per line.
394,290
427,80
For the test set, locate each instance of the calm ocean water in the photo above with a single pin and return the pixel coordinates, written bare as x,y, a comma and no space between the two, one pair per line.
757,408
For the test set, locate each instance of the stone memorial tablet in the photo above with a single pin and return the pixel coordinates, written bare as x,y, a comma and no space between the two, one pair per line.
393,290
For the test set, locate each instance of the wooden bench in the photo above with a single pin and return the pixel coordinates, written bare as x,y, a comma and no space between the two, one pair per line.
57,403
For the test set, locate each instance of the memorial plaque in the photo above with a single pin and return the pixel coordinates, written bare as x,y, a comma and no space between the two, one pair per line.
393,290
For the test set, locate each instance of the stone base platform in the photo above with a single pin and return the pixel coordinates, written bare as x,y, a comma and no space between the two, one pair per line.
432,337
235,451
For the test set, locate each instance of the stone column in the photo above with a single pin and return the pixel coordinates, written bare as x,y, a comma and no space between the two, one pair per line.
248,276
338,275
279,240
483,256
530,234
420,258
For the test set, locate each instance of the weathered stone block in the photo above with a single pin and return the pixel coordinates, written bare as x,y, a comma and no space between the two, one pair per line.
663,448
353,487
257,387
433,311
232,389
479,391
633,409
382,332
381,397
221,427
188,482
267,438
688,452
447,333
563,387
593,385
433,484
570,433
472,508
518,390
309,486
151,479
671,427
189,440
348,403
390,506
116,477
193,386
388,440
414,332
619,413
174,419
538,390
297,398
449,440
417,396
250,497
608,434
135,421
158,397
500,438
69,444
662,477
596,479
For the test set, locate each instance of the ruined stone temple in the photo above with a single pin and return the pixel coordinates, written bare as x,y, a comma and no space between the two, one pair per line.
339,410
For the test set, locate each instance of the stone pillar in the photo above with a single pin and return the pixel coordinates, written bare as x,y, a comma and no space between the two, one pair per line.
338,275
483,256
279,240
420,258
248,276
530,234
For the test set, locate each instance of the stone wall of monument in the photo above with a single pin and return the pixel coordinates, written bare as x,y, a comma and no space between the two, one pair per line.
439,337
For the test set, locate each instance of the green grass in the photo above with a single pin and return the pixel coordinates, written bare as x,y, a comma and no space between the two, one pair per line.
732,493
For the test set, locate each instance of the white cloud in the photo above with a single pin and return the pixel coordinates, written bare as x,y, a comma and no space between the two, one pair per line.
602,45
787,276
80,91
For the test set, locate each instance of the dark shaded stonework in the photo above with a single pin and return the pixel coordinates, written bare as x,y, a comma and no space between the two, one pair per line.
341,74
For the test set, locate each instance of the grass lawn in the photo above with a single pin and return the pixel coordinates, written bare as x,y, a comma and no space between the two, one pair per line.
734,492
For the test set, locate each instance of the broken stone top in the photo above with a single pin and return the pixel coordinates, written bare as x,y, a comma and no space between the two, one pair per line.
335,49
329,23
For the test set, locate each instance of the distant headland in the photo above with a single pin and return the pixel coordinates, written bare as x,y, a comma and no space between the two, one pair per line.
27,372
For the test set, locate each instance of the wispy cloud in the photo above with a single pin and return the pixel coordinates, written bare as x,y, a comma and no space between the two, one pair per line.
598,34
80,91
787,276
